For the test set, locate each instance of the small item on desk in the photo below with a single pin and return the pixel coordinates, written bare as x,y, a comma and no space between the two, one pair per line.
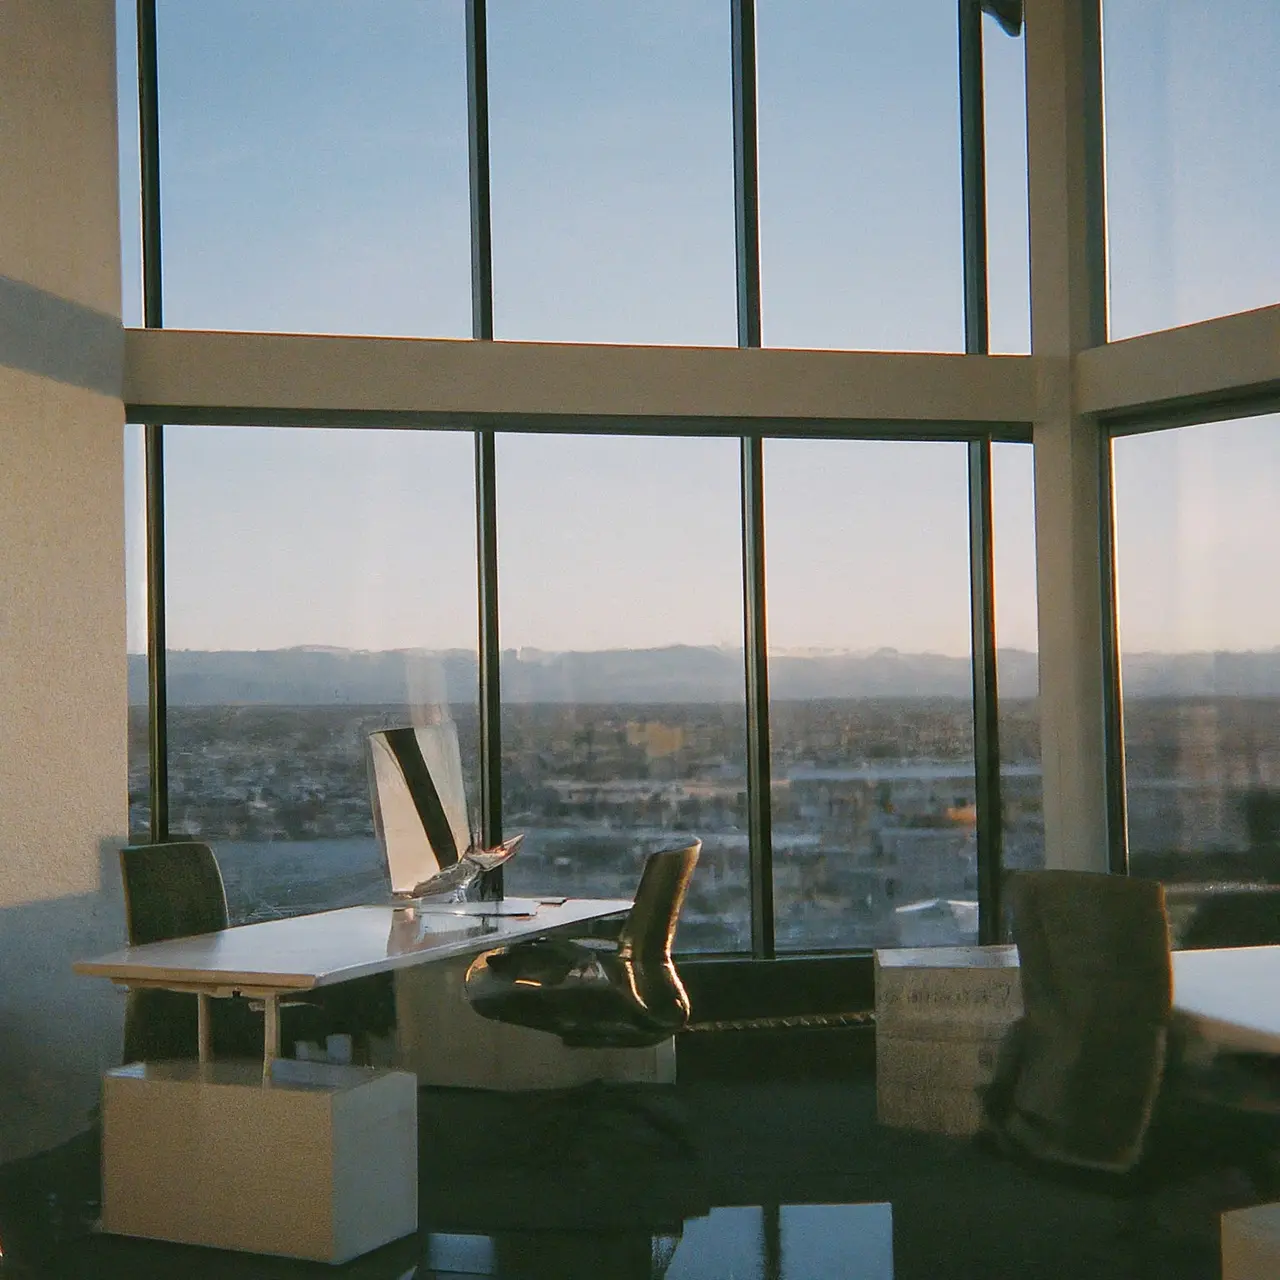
552,902
519,907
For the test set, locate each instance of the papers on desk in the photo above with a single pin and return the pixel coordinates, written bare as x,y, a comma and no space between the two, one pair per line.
413,930
523,907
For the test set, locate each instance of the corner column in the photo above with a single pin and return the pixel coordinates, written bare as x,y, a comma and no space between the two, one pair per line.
1072,475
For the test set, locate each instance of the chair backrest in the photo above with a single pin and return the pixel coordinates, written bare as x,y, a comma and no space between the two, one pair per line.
650,928
419,801
1244,917
172,890
1097,991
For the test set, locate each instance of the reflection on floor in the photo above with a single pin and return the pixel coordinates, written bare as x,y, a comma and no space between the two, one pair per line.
703,1181
787,1242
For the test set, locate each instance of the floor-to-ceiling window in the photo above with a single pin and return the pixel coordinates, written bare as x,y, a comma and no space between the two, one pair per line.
620,609
313,166
871,681
860,228
1192,115
322,581
612,171
1017,644
320,586
1197,538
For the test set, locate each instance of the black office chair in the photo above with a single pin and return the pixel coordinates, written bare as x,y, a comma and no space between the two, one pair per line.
594,993
1090,1087
604,994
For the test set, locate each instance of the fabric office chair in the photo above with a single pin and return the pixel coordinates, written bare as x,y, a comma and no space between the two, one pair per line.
1082,1068
593,993
1089,1085
1246,917
175,890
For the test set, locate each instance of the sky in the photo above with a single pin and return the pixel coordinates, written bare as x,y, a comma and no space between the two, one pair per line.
313,164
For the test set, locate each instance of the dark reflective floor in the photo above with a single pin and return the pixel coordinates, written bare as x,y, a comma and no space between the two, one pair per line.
750,1242
711,1180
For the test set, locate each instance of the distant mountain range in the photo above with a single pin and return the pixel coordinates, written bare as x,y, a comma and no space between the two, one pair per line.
679,673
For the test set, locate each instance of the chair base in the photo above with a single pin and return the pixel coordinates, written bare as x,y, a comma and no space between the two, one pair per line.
444,1042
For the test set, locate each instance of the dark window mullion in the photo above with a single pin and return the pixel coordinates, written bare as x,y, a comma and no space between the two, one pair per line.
986,708
747,243
486,479
153,318
1096,243
1117,796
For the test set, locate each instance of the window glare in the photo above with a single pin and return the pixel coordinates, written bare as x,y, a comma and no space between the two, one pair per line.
860,233
1196,539
1192,115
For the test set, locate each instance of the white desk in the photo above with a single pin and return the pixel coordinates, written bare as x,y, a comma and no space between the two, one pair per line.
941,1013
1228,997
286,957
303,1159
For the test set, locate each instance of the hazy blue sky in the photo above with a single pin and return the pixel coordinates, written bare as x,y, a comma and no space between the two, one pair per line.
314,179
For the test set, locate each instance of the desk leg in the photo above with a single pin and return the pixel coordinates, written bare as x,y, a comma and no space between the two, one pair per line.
270,1035
204,1028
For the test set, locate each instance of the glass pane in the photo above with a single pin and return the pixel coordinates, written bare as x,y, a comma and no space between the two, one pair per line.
871,687
859,121
1017,653
1192,118
611,142
321,585
314,166
1008,229
135,581
1197,554
623,718
130,162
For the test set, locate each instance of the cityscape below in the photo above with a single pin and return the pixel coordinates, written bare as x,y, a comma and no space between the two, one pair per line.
873,798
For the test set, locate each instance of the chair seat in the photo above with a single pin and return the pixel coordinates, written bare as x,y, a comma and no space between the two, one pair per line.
586,995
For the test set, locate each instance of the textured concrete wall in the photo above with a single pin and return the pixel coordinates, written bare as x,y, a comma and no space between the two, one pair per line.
63,786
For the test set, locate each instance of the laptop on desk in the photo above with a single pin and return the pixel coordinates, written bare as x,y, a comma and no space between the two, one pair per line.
420,817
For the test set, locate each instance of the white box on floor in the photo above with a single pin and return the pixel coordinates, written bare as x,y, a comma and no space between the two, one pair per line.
948,987
321,1163
444,1042
914,1063
941,1014
940,1109
1251,1243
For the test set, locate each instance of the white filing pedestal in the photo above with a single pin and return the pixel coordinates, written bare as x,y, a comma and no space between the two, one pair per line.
940,1015
1251,1243
320,1163
445,1042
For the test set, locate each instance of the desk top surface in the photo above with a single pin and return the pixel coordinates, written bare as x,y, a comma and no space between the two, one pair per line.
319,950
1232,995
1228,995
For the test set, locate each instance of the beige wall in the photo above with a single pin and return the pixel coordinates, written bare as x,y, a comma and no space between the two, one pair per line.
63,794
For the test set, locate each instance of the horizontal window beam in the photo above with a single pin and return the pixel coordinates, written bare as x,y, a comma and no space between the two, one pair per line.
186,376
1194,373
